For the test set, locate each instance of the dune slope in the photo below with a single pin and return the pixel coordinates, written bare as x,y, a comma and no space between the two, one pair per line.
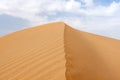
56,51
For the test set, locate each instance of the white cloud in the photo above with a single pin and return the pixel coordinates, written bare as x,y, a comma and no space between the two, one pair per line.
72,5
104,10
87,16
88,3
35,10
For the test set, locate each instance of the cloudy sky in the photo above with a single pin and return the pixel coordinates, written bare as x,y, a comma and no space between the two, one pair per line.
96,16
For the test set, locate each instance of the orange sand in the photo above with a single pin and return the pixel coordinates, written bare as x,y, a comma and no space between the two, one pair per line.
56,51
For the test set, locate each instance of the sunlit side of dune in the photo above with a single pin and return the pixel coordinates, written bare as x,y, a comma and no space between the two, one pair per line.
33,54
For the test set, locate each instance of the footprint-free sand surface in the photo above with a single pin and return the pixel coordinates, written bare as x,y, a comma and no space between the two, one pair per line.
56,51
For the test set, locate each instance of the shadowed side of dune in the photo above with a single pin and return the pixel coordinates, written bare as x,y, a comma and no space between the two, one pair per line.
91,57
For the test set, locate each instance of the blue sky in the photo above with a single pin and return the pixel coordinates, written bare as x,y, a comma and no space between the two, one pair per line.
105,2
96,16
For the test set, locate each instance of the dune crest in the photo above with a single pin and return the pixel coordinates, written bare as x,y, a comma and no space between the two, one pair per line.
56,51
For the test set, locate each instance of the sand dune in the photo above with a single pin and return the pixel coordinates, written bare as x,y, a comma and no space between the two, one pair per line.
56,51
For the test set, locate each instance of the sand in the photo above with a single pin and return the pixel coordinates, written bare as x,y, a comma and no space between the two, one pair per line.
56,51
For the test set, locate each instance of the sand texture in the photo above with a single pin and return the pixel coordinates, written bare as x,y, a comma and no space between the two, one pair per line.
56,51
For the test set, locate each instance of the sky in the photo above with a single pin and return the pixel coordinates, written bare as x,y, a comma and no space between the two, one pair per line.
100,17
